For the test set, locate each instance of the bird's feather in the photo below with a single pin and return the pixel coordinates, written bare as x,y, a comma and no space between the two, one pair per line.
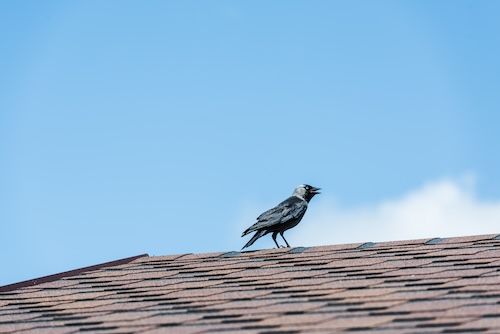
255,237
291,208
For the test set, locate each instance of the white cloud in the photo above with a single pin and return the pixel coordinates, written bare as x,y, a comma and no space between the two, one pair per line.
444,208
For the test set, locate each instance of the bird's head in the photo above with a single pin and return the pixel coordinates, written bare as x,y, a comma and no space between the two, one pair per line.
306,191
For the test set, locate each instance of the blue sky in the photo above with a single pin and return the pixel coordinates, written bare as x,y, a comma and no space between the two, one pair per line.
166,127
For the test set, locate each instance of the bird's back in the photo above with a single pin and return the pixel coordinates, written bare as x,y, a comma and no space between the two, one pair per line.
285,215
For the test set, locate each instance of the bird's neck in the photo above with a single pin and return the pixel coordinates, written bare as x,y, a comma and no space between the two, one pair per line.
304,198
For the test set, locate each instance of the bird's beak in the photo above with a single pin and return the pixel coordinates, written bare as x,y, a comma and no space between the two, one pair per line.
315,190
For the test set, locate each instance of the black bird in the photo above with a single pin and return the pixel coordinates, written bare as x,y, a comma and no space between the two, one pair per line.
284,216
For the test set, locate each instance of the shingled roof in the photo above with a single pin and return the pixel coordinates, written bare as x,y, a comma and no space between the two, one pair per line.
418,286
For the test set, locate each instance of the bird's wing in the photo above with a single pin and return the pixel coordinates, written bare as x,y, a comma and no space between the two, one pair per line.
293,211
291,208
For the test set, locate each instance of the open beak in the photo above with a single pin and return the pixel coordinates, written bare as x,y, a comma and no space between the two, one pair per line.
316,190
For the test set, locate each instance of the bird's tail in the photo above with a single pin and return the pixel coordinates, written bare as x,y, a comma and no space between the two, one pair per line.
255,237
247,231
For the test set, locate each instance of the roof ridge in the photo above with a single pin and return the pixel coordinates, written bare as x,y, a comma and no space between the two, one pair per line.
74,272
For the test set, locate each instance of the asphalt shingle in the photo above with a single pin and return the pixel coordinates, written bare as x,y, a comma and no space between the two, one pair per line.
430,285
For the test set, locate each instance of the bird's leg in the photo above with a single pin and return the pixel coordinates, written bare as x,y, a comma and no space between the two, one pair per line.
281,233
274,238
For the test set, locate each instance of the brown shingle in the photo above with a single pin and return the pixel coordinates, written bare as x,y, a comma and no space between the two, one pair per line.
485,323
417,286
287,320
354,322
